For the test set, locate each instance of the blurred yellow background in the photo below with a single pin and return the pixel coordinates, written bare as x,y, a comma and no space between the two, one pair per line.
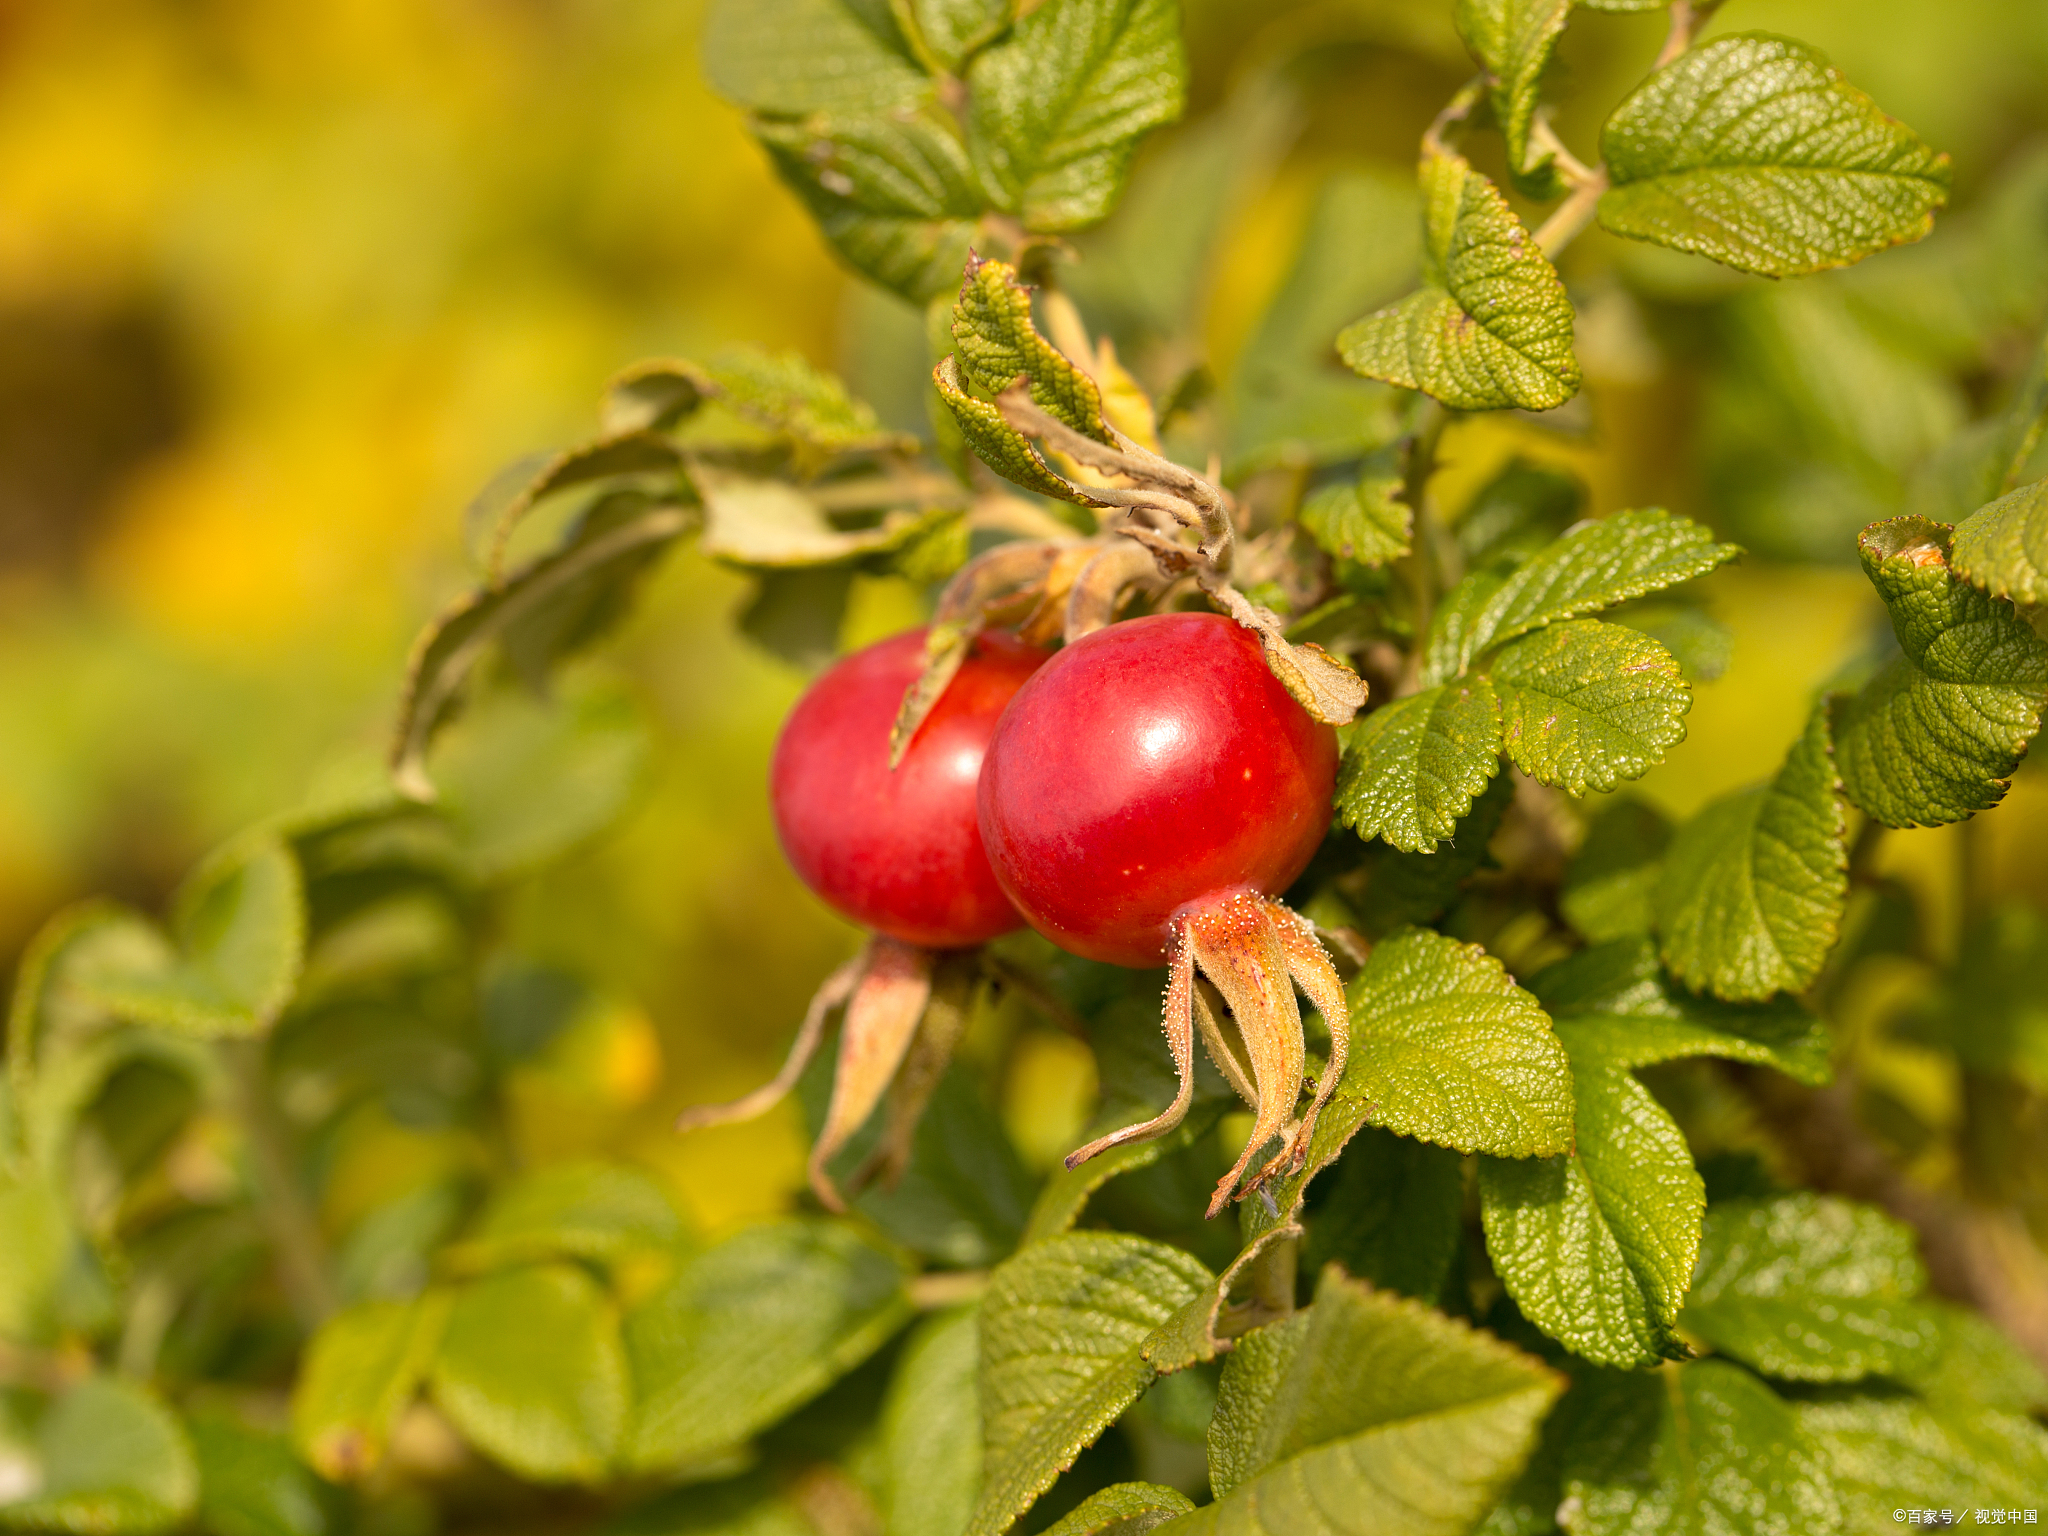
282,285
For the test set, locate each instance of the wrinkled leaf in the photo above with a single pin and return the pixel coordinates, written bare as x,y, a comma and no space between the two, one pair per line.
996,342
1413,767
1126,1509
602,1213
1491,326
1706,1448
1810,1288
1593,566
1057,107
1754,151
1368,1413
1512,40
1363,520
1890,1452
1935,736
1445,1047
1585,705
1073,1329
2003,547
1751,896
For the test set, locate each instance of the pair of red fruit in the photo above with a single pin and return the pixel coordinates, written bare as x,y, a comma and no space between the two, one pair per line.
1139,798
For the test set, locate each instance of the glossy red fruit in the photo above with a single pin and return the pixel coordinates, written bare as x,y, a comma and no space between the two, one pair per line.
898,852
1149,766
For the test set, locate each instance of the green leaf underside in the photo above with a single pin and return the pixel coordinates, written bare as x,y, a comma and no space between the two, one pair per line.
112,1458
1752,891
1446,1048
1368,1413
1887,1452
360,1373
1811,1288
1072,1331
1585,705
1597,1247
2003,547
1593,566
931,1429
750,1329
1512,40
1057,107
240,926
531,1372
1491,327
1127,1509
1752,150
1701,1450
1414,767
1935,736
1363,520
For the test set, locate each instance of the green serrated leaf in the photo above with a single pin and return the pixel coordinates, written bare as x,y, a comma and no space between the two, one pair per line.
1413,767
1512,40
361,1371
1490,327
1363,520
250,1483
751,1328
996,443
1810,1288
1979,1364
1071,1333
1935,736
601,1213
1058,106
239,925
1585,705
1611,881
1754,151
108,1458
1126,1509
931,1429
1405,888
2003,547
514,492
1391,1214
949,31
1594,566
1751,896
1597,1247
788,58
531,1371
1368,1413
1615,999
768,525
1693,1450
811,408
1446,1048
1888,1452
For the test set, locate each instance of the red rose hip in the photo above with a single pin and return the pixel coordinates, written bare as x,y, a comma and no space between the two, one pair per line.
1145,798
897,851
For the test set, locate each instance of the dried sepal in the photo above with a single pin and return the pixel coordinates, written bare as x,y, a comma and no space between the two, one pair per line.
837,988
1104,583
1255,951
954,976
1318,681
881,1018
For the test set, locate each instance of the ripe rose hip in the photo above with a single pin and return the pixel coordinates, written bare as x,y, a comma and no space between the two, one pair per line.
899,852
1145,797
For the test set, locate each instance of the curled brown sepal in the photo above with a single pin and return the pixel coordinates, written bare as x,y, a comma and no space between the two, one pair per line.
1255,951
1318,681
906,1009
1014,573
